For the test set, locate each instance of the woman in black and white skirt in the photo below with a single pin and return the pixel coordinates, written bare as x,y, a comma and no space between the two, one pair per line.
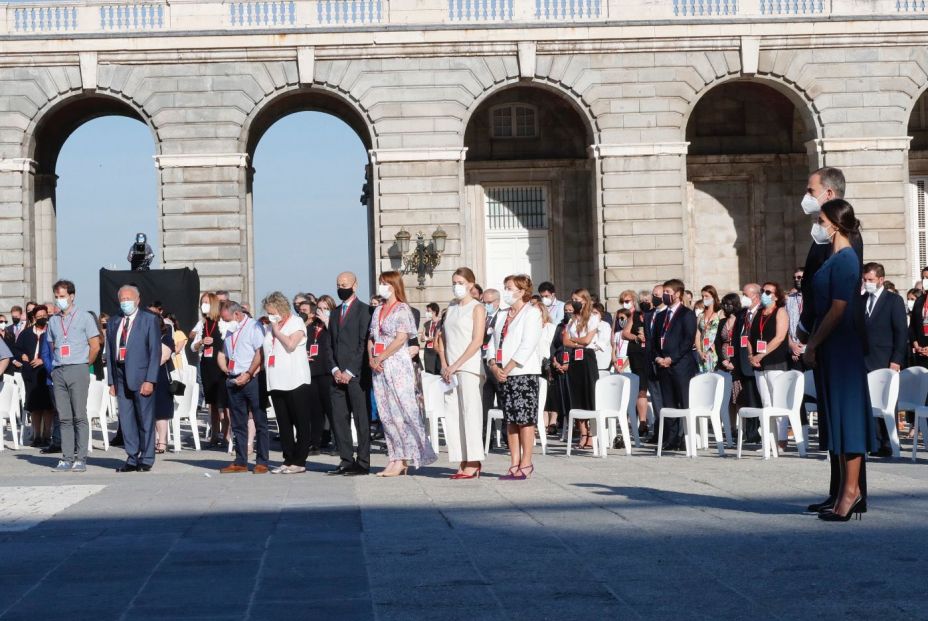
512,357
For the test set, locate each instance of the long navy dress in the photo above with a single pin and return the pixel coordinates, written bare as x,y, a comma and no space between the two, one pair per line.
843,395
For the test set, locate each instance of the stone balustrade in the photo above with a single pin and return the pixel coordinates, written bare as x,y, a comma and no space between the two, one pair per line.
108,16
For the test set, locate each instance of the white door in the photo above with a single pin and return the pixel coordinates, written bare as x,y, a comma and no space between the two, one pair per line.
516,219
918,227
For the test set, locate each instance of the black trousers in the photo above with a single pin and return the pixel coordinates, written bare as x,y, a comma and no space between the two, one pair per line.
657,402
349,402
491,395
320,407
292,410
749,398
675,393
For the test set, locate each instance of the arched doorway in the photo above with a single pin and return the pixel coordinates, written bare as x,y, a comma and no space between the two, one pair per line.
746,169
309,192
102,148
918,187
528,180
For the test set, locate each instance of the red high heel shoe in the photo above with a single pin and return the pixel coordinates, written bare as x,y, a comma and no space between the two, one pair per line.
524,473
512,476
463,475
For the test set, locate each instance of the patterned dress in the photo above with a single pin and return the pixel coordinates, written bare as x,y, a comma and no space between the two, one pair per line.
395,391
709,332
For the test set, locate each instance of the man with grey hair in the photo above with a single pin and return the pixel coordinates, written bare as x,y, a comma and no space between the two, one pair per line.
133,341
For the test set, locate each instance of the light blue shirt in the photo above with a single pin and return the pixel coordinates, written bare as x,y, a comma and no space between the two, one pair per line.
248,340
70,333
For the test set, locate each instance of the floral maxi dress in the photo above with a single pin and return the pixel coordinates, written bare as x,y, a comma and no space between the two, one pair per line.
395,390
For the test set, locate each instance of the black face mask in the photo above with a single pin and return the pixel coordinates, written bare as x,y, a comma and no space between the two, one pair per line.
16,319
576,306
345,294
41,322
667,299
304,317
645,306
728,309
656,300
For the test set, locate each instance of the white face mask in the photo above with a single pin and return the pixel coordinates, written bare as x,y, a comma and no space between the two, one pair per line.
2,325
810,204
273,318
508,297
699,312
708,302
458,290
547,301
820,234
746,302
870,287
910,304
925,284
429,316
627,305
384,291
325,315
204,308
233,326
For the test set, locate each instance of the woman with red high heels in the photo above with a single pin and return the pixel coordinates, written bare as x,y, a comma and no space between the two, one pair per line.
512,357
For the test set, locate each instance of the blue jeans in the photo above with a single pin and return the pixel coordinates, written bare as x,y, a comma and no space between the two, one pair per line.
243,399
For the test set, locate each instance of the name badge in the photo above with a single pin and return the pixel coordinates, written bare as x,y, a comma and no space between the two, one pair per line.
65,351
761,347
619,364
578,354
565,358
313,350
499,356
925,329
729,351
270,360
486,347
706,343
207,352
122,354
429,344
378,348
231,366
744,341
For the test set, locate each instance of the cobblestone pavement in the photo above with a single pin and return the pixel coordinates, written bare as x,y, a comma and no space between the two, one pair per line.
621,538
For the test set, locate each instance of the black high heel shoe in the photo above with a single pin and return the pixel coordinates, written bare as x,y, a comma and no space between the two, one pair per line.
818,507
855,510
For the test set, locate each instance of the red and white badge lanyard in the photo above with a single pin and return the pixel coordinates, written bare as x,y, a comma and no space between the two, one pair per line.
762,322
126,326
65,348
208,333
272,358
233,342
707,321
504,332
379,347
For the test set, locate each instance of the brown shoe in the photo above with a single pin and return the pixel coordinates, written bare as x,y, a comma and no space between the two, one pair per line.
260,469
233,469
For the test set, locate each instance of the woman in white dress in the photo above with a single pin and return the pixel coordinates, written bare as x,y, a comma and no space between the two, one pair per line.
462,335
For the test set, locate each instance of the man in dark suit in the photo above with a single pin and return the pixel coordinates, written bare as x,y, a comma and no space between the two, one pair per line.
749,397
887,334
674,357
16,325
651,317
824,184
491,392
134,357
348,327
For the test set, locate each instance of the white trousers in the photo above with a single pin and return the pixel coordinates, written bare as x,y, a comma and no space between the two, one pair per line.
764,380
464,431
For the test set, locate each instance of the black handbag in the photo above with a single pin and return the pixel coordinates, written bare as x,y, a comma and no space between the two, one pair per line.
177,388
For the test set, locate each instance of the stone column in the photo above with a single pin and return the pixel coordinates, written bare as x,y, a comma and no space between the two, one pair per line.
642,220
205,219
876,171
420,190
16,187
44,236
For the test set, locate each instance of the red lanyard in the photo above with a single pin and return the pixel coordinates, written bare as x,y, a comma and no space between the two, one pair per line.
763,322
318,332
383,316
509,317
748,322
925,307
209,331
233,340
65,328
668,319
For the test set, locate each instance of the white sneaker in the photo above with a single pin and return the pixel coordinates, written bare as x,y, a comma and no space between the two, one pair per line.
281,469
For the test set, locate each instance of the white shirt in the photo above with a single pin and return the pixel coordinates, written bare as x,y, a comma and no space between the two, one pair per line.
591,326
290,370
868,305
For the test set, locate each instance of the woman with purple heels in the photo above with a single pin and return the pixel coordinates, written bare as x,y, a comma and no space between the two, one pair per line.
512,357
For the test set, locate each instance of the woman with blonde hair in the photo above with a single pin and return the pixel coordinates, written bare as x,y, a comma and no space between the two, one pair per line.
463,330
580,355
206,339
394,378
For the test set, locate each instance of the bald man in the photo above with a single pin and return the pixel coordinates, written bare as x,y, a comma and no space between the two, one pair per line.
348,327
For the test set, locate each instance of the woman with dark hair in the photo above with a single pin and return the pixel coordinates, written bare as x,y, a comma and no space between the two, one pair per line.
27,358
582,372
836,349
394,379
430,330
727,348
707,328
768,348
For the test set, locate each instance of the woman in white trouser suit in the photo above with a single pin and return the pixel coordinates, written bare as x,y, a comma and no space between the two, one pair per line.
462,334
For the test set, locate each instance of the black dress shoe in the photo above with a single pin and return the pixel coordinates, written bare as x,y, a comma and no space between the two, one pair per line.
817,507
884,451
51,448
117,441
356,471
127,468
144,468
339,471
313,450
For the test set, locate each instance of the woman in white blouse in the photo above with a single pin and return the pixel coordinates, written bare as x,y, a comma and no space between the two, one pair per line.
512,357
288,378
582,372
463,329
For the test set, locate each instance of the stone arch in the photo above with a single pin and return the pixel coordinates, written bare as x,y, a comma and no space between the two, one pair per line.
576,101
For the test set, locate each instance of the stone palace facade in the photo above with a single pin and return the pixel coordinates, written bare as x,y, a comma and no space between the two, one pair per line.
604,143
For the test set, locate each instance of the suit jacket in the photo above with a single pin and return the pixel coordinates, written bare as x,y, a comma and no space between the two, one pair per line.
887,331
742,364
818,254
143,349
349,337
679,338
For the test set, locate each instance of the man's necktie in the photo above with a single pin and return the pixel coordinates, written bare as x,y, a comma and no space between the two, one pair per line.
870,302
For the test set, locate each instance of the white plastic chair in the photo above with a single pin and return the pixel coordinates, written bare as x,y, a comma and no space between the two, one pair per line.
920,413
185,406
493,415
21,389
611,402
786,394
435,413
706,393
98,400
9,409
884,394
540,427
726,419
913,389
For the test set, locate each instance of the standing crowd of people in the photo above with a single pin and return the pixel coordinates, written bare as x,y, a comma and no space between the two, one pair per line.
330,368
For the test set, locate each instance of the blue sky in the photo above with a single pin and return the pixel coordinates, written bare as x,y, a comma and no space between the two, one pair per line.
309,223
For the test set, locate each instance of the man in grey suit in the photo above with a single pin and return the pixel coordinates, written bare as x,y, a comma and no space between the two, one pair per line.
133,356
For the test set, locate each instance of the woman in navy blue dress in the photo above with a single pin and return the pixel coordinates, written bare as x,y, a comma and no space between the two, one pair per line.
837,350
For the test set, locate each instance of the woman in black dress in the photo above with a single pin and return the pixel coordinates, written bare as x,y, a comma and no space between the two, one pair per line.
35,376
582,372
633,333
164,400
769,347
430,330
208,342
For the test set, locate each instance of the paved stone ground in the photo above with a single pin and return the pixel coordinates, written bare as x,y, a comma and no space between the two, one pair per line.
622,538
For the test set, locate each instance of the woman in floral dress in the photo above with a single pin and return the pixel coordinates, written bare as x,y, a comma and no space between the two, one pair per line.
707,331
395,379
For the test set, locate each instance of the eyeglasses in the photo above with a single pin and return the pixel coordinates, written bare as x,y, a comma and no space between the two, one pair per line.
770,292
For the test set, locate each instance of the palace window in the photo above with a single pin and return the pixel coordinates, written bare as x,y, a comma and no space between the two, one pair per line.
514,121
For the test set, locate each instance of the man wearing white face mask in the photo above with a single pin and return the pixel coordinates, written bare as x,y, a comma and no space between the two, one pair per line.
549,299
